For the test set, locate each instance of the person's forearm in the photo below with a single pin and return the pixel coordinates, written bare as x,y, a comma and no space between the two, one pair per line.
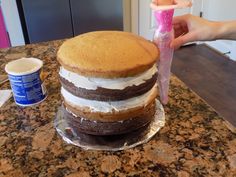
189,28
225,30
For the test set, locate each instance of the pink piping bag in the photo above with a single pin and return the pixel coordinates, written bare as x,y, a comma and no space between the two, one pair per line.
163,36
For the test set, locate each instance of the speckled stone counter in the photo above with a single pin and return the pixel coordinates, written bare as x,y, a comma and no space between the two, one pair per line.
194,142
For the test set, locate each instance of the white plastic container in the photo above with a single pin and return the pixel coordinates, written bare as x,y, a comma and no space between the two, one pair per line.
27,85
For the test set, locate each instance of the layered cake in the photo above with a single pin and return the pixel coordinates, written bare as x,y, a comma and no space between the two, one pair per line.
108,82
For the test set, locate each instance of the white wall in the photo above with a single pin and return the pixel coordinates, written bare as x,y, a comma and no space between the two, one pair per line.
12,21
219,10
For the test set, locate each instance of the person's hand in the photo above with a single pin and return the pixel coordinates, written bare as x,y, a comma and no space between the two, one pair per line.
189,28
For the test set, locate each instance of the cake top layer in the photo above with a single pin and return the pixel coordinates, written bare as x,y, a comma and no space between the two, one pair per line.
107,54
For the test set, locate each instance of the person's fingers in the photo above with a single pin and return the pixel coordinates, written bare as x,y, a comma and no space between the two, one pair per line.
177,25
180,30
179,41
180,19
179,33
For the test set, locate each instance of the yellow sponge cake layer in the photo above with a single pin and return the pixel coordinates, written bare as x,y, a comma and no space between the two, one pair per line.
107,54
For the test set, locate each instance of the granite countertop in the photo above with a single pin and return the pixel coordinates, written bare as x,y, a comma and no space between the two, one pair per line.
194,142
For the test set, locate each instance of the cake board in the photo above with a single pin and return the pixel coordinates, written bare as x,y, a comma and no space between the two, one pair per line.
112,142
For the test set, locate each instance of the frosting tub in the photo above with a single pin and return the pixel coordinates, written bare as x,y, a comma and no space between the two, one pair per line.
27,85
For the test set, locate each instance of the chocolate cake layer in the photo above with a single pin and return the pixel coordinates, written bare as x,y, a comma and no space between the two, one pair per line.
103,94
110,116
109,128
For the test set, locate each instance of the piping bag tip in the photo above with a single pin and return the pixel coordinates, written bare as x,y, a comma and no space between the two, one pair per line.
164,101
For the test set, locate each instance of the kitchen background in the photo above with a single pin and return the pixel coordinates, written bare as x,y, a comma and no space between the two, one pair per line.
32,21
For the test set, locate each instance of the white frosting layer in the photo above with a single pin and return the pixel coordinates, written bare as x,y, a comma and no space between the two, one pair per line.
90,83
109,106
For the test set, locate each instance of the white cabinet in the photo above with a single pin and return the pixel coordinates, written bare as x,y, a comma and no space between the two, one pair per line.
218,10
